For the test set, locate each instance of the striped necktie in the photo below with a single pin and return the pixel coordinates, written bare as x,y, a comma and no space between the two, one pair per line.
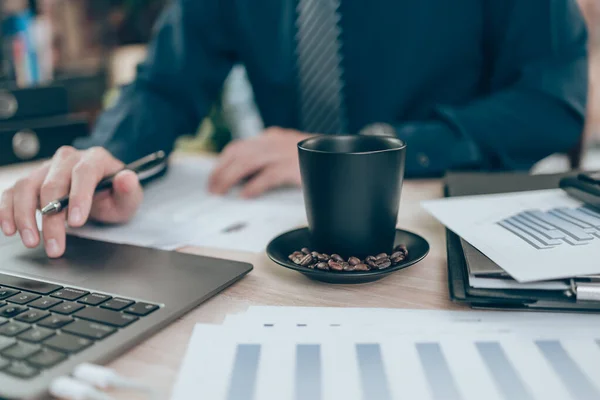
319,67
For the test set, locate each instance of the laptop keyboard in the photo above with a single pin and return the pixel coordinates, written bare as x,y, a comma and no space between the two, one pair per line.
42,324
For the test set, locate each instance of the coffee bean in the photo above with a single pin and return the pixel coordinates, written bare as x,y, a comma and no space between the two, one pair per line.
372,263
397,254
361,267
306,260
335,265
384,265
305,250
381,256
322,266
314,254
323,257
382,260
353,261
349,267
397,260
337,258
370,258
401,248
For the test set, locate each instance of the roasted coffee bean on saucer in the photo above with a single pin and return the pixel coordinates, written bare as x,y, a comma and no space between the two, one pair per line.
324,262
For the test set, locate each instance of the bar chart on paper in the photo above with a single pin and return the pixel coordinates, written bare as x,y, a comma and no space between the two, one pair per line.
533,236
560,226
327,366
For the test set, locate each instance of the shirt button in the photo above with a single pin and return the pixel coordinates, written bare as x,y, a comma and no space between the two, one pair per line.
423,160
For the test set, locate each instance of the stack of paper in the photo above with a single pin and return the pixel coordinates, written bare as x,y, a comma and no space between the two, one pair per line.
326,354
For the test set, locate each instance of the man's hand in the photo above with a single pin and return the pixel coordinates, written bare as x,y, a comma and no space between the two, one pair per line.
75,173
267,161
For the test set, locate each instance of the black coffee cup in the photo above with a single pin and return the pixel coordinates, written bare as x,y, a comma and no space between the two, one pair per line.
352,187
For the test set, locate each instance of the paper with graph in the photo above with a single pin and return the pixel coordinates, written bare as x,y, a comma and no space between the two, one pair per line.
332,363
537,235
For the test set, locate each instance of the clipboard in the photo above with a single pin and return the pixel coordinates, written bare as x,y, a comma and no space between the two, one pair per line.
581,296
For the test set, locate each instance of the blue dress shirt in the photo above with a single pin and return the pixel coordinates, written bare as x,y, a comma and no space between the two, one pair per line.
468,84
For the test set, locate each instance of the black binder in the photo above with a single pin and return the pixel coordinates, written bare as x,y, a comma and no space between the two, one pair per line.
39,138
460,252
34,102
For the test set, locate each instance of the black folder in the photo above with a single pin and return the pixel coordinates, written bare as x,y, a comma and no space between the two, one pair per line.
461,253
34,139
33,102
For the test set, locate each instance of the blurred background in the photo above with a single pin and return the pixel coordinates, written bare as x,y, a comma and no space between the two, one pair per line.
81,51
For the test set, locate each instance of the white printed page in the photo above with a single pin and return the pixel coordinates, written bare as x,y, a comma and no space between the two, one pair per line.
533,236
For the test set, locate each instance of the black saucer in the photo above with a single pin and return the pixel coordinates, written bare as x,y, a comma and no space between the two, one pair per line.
283,245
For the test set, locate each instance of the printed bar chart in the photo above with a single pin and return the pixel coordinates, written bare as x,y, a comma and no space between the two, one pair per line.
556,227
449,369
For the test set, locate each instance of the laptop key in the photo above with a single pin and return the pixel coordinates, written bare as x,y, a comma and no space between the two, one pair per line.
28,285
141,309
6,293
67,343
107,317
23,298
13,328
55,321
44,303
90,330
36,334
46,358
32,316
69,294
21,351
9,311
22,370
117,304
66,308
3,363
94,299
6,342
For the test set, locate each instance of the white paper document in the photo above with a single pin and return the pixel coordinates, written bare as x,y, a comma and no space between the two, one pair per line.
178,211
533,236
334,363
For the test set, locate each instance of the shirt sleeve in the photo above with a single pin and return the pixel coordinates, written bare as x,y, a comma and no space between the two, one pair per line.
538,79
188,60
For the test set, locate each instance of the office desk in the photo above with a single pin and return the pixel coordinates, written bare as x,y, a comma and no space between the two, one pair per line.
423,285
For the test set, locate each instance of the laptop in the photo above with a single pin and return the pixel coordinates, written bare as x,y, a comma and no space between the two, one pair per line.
91,305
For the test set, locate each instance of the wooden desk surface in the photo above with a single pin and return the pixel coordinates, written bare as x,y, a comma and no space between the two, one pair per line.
424,285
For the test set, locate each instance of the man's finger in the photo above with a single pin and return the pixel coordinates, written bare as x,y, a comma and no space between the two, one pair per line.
55,186
121,205
7,219
240,169
267,179
227,157
25,203
94,166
